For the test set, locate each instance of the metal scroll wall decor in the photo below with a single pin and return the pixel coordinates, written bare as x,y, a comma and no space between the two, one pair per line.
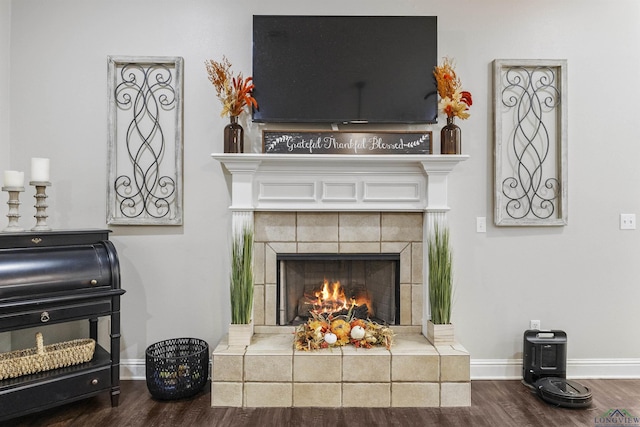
145,140
530,107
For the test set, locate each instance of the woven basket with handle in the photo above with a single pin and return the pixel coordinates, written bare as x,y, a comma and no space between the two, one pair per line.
45,357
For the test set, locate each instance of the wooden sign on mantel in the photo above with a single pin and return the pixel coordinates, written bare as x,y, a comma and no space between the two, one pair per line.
342,142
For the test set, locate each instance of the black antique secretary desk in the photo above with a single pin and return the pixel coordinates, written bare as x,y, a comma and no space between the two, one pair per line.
55,277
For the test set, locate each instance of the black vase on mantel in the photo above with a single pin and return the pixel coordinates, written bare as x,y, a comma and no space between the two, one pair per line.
233,136
450,138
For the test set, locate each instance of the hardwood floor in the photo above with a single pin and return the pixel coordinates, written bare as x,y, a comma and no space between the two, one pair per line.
494,403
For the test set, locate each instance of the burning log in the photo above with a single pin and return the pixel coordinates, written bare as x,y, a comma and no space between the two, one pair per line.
305,308
331,299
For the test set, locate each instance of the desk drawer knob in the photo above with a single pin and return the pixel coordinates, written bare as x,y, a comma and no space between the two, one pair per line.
44,317
94,381
94,282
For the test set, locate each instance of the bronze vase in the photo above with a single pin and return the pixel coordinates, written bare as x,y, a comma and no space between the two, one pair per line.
450,138
233,136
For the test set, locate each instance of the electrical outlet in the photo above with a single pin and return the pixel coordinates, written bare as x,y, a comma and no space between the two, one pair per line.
627,221
534,324
481,224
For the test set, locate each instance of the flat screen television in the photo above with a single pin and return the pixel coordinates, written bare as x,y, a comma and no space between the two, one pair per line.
344,69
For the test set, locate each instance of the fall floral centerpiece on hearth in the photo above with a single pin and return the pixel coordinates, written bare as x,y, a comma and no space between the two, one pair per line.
327,331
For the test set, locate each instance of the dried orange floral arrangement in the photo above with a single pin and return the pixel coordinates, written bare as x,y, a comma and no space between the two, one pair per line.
326,331
454,102
235,92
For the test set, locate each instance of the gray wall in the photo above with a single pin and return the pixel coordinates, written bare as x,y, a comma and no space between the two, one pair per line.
582,278
5,32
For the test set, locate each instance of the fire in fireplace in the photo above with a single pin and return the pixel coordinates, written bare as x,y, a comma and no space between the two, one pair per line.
366,285
332,299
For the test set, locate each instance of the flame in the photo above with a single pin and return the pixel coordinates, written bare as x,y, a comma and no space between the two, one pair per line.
331,298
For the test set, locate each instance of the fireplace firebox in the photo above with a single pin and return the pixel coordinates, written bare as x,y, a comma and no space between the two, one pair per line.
365,285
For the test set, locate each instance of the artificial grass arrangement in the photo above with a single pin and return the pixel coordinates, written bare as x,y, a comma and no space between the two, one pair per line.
242,277
440,276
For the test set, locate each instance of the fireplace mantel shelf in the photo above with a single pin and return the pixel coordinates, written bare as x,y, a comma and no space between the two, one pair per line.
336,162
322,182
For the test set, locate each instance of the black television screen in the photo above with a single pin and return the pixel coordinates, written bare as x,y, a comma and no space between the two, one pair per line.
345,69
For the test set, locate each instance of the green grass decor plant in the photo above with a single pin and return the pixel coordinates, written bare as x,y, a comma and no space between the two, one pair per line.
440,276
242,277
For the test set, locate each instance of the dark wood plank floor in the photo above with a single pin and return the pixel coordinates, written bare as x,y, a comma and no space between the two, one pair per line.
494,403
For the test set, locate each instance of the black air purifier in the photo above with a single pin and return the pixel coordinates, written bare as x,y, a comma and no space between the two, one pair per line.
544,368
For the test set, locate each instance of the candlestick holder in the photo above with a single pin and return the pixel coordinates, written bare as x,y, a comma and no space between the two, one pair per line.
41,205
14,211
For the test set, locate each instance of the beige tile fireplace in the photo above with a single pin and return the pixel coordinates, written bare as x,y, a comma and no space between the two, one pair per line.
338,232
339,205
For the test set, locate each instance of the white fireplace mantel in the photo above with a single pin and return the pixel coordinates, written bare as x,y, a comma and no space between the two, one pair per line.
334,182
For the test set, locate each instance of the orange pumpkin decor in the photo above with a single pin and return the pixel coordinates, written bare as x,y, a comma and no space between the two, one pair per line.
341,328
358,322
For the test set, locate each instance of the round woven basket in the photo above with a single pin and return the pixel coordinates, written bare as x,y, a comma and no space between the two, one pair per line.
177,368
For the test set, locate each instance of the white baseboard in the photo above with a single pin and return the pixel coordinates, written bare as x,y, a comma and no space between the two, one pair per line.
604,368
511,369
483,369
132,369
496,369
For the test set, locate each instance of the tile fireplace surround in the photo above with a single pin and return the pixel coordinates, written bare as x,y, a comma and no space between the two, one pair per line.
340,204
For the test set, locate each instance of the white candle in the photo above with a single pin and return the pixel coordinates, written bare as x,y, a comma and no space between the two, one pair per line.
13,179
39,169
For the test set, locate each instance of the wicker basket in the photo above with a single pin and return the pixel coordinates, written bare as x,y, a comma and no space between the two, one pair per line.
177,368
44,358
